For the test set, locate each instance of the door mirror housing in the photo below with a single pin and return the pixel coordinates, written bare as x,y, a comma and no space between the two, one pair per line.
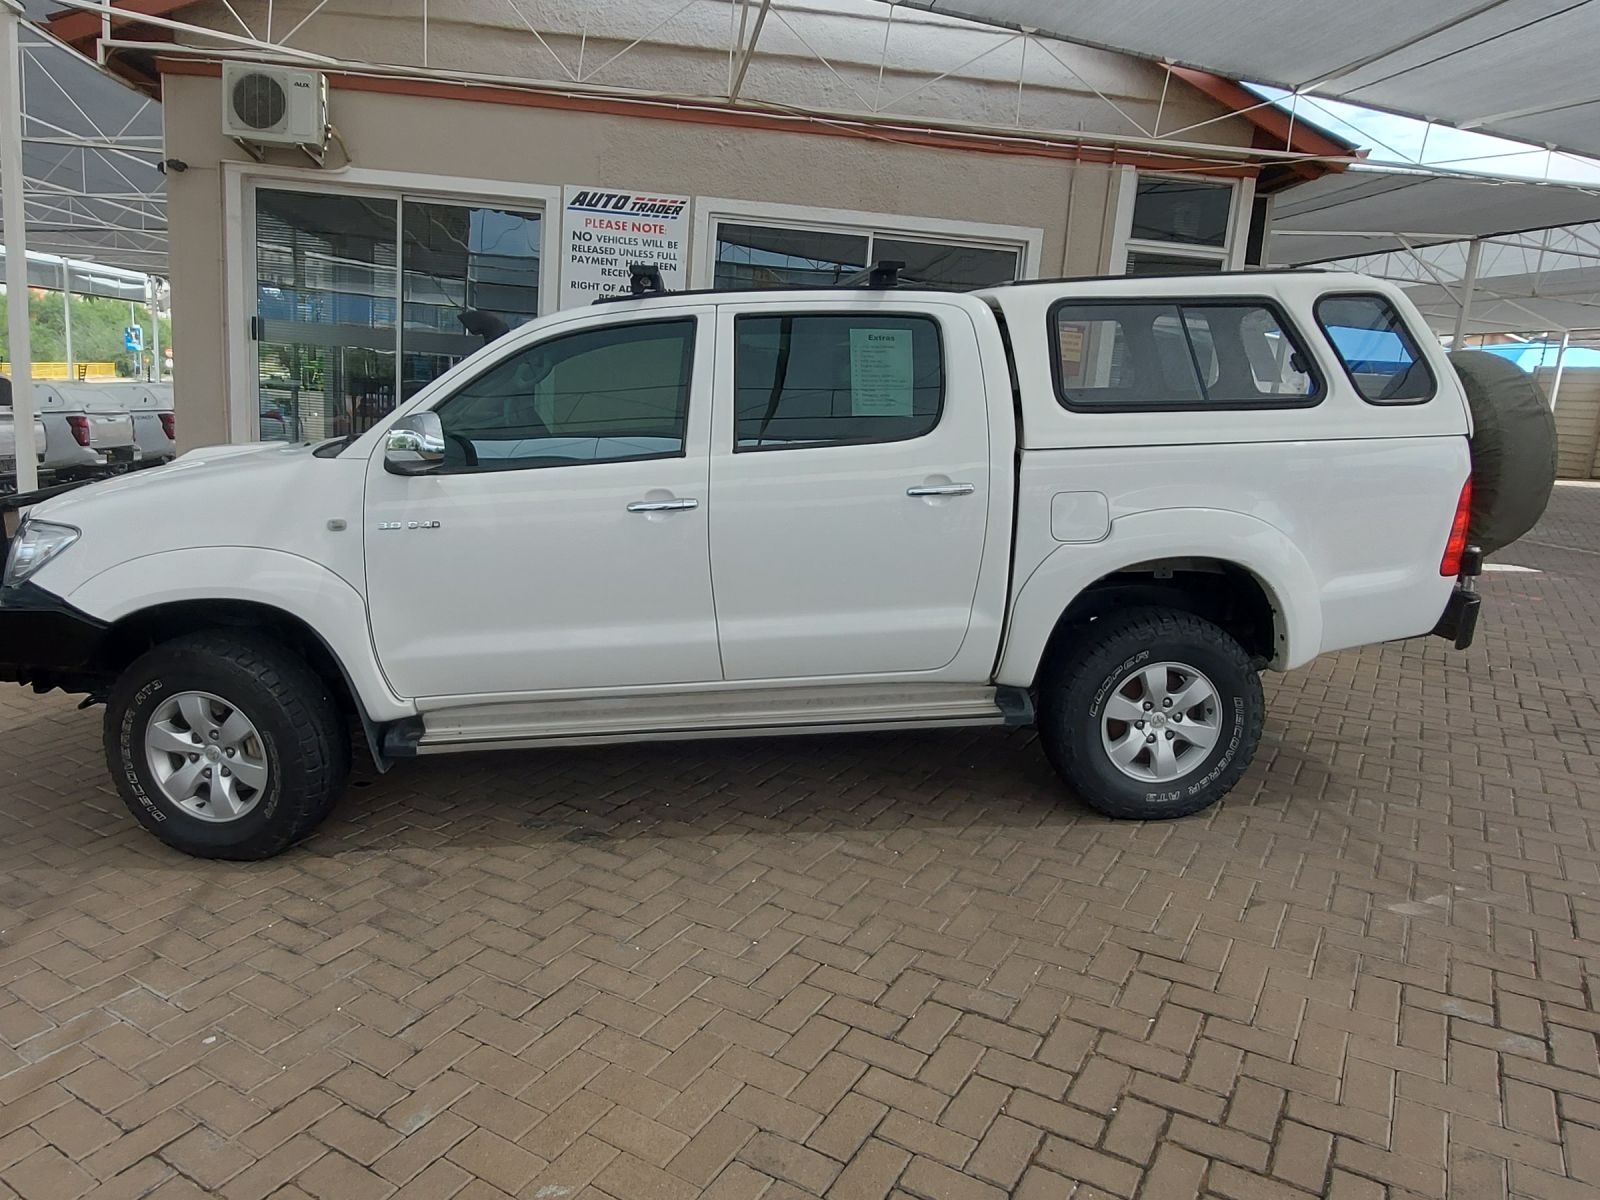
415,445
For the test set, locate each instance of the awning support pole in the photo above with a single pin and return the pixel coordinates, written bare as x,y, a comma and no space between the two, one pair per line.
1561,365
66,316
154,285
1468,284
14,215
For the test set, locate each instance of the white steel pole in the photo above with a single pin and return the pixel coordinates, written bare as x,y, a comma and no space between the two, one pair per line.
154,285
11,211
66,316
1561,364
1468,284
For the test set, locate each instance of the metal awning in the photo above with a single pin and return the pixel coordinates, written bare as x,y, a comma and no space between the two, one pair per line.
1521,69
90,149
1373,211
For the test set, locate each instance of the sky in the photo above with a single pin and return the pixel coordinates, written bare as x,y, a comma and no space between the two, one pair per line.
1407,140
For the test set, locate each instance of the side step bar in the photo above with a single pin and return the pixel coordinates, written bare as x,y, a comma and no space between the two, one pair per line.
716,714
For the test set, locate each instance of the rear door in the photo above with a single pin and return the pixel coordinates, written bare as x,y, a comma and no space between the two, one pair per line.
850,486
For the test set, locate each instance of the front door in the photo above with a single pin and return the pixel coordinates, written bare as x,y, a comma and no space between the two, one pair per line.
851,484
563,544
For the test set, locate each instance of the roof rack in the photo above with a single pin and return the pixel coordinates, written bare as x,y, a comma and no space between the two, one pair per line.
645,283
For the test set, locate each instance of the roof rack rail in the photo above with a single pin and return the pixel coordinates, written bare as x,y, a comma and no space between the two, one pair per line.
645,282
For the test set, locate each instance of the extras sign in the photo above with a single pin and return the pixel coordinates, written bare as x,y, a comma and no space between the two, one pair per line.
603,232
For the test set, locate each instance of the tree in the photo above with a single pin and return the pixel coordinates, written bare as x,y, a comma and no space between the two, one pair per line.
97,325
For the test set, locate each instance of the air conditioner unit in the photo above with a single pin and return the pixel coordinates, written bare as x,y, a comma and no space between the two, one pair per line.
274,106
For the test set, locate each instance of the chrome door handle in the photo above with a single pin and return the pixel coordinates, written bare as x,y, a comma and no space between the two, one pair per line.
653,506
942,489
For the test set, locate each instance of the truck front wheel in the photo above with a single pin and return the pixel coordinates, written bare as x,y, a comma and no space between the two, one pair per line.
225,746
1152,713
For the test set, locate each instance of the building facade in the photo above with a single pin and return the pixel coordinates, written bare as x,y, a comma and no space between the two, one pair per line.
488,162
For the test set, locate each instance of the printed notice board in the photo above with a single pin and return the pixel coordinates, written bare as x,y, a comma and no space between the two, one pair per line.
604,230
882,373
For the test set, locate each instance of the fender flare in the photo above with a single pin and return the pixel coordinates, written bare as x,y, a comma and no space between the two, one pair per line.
1231,537
305,590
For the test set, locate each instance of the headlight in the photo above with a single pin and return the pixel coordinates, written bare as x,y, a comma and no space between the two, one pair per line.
37,542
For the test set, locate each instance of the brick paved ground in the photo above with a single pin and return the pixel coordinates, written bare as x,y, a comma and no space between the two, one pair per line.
843,967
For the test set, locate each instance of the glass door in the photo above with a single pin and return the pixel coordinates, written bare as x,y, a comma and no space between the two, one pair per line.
363,298
325,320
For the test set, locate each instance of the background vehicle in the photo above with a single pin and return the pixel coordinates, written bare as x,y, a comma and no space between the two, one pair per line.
154,421
1097,506
87,435
8,448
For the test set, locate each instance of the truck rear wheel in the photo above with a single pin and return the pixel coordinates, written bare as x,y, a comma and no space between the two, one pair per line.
225,747
1154,713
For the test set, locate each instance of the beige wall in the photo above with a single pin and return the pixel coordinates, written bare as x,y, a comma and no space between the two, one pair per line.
1070,202
876,57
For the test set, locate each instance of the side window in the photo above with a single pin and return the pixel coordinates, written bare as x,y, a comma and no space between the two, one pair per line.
1376,348
1154,355
600,395
1124,355
802,380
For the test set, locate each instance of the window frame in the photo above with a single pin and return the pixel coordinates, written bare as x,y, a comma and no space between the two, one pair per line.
849,313
1297,340
1408,340
1230,255
240,181
710,212
693,320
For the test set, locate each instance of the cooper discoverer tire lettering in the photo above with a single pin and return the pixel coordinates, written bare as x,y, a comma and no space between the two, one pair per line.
1154,713
225,747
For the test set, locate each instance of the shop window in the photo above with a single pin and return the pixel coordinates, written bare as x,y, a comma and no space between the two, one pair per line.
1181,210
1178,226
946,265
815,380
470,273
778,256
756,256
1145,262
363,299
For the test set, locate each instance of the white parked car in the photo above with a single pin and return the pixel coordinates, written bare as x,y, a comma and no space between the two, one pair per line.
1099,506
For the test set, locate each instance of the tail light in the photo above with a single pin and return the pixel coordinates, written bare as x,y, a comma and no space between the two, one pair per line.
80,429
1457,545
169,426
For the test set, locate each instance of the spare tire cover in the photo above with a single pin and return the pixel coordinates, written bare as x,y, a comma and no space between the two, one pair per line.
1513,448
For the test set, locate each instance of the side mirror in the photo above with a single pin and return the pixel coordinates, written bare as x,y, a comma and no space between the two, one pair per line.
415,446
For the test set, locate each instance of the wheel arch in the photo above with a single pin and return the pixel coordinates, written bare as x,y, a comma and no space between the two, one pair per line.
1232,569
146,628
315,609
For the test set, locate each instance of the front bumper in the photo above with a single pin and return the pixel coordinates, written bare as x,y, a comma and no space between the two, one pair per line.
44,641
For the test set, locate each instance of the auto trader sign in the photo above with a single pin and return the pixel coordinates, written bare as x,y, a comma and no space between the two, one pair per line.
604,231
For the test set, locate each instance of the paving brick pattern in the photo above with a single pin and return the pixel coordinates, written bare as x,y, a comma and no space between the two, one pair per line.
896,965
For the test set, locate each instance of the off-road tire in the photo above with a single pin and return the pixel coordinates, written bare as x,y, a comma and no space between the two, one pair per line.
1080,679
306,742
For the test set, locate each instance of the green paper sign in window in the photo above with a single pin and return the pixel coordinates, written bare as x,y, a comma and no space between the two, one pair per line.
882,376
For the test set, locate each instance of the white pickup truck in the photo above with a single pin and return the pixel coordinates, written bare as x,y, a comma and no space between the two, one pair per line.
8,448
1099,506
87,435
